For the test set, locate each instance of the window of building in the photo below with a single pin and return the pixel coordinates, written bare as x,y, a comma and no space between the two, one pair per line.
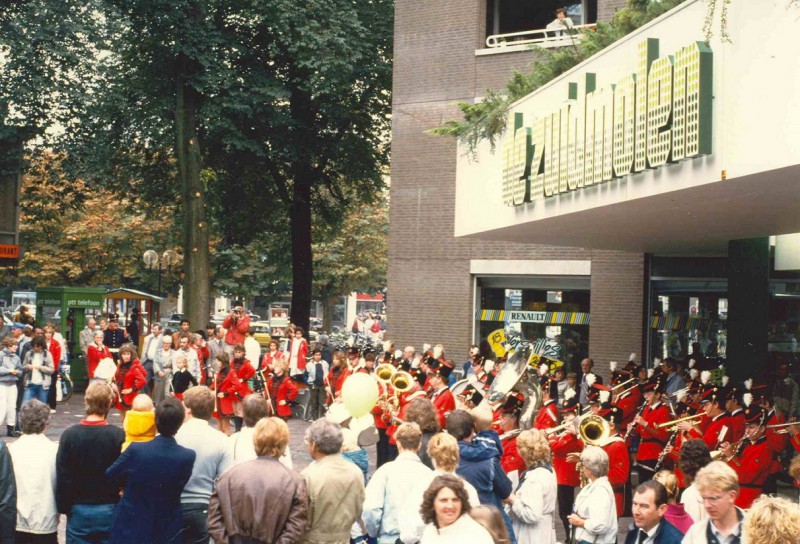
554,319
507,16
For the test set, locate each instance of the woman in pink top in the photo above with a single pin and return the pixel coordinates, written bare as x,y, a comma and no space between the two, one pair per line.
675,513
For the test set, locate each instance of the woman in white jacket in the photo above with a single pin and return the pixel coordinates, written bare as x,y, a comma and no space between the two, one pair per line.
34,458
595,514
445,508
533,505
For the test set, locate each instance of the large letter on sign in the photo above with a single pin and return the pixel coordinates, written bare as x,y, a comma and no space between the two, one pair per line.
517,154
659,111
691,124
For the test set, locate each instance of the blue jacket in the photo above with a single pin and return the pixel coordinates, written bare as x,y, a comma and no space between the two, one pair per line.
153,475
666,533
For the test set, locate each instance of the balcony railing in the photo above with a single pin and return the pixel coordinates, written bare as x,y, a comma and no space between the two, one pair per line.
542,37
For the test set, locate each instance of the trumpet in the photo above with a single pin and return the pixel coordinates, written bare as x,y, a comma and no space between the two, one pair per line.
674,423
557,430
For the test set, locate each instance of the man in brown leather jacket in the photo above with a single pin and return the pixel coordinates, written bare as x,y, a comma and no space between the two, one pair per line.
260,501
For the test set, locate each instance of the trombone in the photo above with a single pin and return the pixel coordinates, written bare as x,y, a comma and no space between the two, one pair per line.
782,426
623,384
674,423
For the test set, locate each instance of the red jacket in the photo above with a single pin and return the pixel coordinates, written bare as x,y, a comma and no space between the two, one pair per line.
777,442
619,469
245,371
231,387
653,439
285,391
444,402
796,442
737,426
547,417
268,359
511,460
752,467
132,376
405,399
302,354
712,432
93,357
566,473
236,329
629,404
55,350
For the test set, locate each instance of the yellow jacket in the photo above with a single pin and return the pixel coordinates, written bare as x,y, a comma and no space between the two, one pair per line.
139,427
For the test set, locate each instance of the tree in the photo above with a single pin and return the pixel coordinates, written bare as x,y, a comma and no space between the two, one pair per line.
82,236
354,259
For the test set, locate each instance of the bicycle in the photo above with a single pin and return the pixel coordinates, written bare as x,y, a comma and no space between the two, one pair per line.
64,384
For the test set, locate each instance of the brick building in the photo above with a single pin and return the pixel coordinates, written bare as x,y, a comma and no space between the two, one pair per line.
459,255
440,58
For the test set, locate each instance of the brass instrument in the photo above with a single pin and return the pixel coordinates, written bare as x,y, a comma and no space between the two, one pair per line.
593,430
623,384
566,424
780,425
674,423
510,434
631,388
384,372
401,382
518,376
215,393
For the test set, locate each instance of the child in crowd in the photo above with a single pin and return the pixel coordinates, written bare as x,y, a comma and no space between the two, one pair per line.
182,378
140,421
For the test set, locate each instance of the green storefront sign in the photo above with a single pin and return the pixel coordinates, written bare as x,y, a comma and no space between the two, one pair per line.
660,113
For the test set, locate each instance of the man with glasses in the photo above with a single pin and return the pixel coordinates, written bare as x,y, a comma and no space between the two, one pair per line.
718,487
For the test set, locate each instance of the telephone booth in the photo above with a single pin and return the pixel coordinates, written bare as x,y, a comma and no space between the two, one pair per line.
69,308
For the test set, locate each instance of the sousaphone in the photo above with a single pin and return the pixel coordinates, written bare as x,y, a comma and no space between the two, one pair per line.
517,375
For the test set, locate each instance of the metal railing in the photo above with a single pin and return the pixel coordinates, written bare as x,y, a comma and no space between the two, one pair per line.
541,36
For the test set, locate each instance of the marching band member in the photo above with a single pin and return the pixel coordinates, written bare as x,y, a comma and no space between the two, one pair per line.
282,390
440,394
227,389
564,444
272,355
129,379
752,465
508,425
653,439
547,417
382,416
244,370
619,460
114,337
777,441
335,378
718,426
735,412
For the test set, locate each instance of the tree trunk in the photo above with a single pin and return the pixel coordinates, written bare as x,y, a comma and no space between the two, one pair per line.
302,271
300,213
196,283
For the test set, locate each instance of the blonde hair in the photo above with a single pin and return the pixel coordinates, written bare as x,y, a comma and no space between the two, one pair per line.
443,451
180,357
491,519
271,436
408,436
670,482
534,448
794,467
771,520
717,476
142,403
98,398
482,416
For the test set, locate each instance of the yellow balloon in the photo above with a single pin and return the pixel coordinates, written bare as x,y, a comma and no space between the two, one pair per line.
359,394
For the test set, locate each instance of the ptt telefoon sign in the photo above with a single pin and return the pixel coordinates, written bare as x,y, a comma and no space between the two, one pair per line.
659,113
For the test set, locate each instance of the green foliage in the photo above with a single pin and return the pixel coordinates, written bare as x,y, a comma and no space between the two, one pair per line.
486,120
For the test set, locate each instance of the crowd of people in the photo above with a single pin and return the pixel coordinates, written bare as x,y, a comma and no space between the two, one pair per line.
451,467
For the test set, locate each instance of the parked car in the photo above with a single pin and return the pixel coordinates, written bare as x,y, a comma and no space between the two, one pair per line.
261,332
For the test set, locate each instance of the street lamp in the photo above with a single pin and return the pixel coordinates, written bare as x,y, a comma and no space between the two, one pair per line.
164,262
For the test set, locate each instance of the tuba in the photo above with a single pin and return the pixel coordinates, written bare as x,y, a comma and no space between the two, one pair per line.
401,381
384,373
594,430
519,376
